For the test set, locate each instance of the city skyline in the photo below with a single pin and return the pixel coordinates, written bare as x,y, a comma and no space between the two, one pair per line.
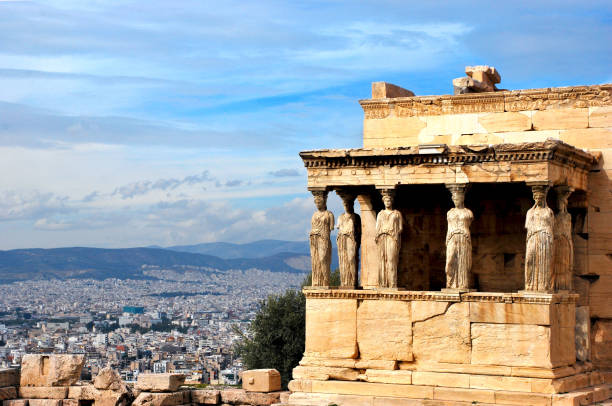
138,124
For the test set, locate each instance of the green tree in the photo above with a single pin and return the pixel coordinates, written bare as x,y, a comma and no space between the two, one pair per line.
276,337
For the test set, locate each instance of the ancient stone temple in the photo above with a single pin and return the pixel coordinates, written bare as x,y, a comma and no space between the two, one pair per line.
484,243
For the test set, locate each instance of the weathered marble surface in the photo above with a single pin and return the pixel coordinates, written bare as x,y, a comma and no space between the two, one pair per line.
389,226
320,243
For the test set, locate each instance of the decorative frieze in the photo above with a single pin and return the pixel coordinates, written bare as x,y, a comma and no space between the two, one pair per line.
515,100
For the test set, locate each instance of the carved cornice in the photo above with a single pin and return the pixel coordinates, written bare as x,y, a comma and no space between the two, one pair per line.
376,110
548,151
405,295
508,100
435,296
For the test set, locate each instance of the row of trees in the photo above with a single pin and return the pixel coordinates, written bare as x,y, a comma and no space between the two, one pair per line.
276,337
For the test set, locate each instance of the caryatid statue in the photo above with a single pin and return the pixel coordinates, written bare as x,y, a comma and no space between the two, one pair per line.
320,244
563,263
458,241
388,239
349,240
540,247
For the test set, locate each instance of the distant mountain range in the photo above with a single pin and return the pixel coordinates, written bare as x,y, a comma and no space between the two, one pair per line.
256,249
130,263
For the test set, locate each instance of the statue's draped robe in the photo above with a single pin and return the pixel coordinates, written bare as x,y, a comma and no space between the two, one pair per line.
349,239
539,254
564,252
320,247
458,248
388,240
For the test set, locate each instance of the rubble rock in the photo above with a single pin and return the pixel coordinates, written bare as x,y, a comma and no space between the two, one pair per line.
160,382
45,402
15,402
8,392
242,397
261,380
205,396
162,399
9,377
51,370
110,379
42,392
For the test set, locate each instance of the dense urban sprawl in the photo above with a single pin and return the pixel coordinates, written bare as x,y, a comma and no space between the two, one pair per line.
182,322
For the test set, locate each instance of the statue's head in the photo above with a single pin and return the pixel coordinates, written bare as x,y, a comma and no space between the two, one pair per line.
387,198
563,193
539,195
348,201
458,196
320,199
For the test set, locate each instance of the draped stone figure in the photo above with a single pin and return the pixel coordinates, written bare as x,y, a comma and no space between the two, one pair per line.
563,263
349,240
388,239
540,247
458,241
320,244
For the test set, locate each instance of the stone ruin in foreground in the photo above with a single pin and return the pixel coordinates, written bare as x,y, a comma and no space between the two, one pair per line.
485,240
53,380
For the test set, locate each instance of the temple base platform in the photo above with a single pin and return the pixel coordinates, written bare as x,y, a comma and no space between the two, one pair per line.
393,347
358,393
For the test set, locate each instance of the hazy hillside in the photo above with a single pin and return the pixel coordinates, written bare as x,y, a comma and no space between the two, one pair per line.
256,249
127,263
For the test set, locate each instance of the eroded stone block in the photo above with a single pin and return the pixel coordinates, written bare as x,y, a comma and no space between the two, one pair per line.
560,119
242,397
397,377
51,370
511,345
9,377
159,382
162,399
323,373
601,343
45,402
15,402
261,380
108,378
331,328
444,338
9,392
510,313
205,396
43,392
384,330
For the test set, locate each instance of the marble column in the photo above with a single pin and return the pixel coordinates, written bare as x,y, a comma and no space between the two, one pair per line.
368,275
388,240
348,241
322,223
563,263
539,252
458,241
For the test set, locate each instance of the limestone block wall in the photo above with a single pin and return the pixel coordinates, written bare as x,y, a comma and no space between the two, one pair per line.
422,335
580,116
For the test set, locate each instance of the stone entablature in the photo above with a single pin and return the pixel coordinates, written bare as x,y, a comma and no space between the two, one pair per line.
551,161
501,101
433,296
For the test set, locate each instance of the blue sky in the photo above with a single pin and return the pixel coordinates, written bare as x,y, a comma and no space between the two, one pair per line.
135,123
